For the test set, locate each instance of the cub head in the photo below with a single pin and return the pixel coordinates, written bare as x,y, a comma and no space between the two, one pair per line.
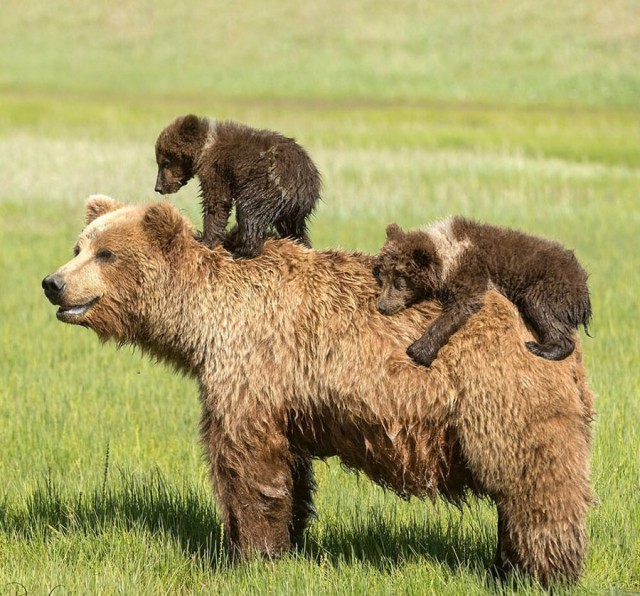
406,269
177,149
121,263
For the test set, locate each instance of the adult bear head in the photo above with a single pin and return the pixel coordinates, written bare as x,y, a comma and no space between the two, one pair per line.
123,250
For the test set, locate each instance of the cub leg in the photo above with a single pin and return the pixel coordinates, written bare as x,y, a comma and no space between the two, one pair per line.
424,350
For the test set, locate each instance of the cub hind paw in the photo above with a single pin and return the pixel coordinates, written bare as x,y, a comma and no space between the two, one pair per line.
549,351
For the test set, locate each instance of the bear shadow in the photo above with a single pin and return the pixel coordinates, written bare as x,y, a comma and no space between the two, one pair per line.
182,512
149,504
387,546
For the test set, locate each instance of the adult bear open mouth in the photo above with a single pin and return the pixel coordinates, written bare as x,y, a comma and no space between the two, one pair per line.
69,314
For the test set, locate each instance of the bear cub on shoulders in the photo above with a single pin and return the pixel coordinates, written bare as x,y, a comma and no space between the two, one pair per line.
456,261
270,178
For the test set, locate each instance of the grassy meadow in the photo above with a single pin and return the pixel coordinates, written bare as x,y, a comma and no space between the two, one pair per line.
521,114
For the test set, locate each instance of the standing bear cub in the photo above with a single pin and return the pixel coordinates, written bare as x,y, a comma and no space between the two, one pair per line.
458,260
270,178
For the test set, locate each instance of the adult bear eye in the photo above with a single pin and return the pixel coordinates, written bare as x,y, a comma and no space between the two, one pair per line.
105,256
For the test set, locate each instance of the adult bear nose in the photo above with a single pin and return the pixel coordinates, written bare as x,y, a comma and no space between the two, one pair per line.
53,286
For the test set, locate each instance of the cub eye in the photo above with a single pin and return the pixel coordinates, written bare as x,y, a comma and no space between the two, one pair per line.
376,272
105,255
399,283
166,163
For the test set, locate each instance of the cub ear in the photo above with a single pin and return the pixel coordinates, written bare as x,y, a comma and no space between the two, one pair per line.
163,225
97,205
394,231
421,257
189,126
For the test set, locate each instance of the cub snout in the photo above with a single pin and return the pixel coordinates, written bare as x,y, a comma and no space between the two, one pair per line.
53,286
388,307
160,185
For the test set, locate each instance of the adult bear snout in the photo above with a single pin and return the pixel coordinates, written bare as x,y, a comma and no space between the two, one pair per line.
53,285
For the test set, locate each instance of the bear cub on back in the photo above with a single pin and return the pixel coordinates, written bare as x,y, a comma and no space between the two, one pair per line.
270,178
456,261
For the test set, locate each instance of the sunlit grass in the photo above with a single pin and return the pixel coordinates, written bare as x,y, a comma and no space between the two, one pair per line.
548,52
518,114
150,522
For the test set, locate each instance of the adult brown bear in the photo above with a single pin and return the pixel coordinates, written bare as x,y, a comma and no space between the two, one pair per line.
294,362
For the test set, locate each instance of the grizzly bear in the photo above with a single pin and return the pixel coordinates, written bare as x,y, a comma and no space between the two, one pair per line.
269,177
294,362
457,260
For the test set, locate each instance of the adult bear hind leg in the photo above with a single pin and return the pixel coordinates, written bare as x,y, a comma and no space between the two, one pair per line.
543,504
547,541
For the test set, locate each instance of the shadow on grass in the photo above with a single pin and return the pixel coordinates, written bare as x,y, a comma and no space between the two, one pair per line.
187,515
148,503
385,543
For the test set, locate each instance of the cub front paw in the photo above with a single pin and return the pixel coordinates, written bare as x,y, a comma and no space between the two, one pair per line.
421,354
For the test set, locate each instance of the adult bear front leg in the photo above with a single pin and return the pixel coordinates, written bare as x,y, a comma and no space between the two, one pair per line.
505,560
252,476
303,511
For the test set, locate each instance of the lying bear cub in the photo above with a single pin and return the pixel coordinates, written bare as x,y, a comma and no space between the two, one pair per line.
458,260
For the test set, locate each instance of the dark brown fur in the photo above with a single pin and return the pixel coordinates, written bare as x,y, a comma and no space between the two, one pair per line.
270,178
294,362
457,261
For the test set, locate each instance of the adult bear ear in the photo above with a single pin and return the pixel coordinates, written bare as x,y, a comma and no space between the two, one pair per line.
163,225
394,231
97,205
190,126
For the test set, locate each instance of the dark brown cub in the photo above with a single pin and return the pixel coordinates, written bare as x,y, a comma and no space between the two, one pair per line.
270,178
456,261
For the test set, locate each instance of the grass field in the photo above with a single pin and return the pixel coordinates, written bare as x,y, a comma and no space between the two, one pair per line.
522,114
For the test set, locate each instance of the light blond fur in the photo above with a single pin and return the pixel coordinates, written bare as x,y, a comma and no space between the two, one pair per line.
448,247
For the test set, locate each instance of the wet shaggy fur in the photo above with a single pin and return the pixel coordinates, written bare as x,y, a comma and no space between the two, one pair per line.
295,362
456,261
270,178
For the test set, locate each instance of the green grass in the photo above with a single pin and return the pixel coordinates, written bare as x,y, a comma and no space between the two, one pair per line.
521,52
519,114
